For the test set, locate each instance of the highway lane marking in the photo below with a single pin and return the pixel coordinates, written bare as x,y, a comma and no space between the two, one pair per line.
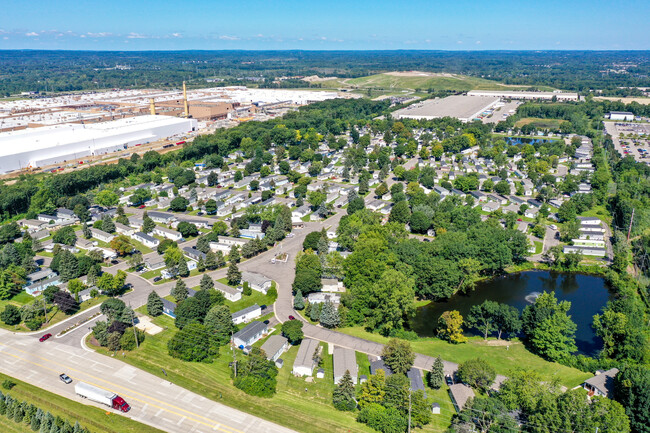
18,358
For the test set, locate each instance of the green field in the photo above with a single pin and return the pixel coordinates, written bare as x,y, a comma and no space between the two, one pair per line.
390,82
95,419
504,358
300,405
539,123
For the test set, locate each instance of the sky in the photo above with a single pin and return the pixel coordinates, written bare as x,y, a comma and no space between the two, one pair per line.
325,24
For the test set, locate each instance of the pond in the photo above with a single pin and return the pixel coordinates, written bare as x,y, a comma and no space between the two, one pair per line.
525,140
587,294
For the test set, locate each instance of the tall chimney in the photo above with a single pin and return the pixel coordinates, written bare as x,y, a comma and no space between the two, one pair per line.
187,110
152,107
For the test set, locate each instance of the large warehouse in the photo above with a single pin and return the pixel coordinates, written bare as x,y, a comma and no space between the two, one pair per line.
464,108
515,94
36,147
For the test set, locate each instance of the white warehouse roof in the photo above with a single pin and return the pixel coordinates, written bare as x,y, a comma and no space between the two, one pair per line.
34,147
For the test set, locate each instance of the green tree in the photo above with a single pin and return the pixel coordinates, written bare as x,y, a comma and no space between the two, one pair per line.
477,373
233,276
481,317
506,319
632,390
329,315
10,315
343,397
179,292
193,343
218,321
292,330
206,282
398,355
107,223
183,270
437,374
548,327
154,304
400,213
147,223
65,235
298,301
374,389
450,327
256,375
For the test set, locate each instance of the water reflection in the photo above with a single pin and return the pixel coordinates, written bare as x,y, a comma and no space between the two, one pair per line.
587,295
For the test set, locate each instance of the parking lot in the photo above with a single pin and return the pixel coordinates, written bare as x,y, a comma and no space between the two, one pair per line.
631,139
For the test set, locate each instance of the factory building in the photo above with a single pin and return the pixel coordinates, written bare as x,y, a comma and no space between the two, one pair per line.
36,147
514,94
464,108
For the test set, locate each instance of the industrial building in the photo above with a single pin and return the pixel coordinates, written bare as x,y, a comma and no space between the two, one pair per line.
36,147
464,108
515,94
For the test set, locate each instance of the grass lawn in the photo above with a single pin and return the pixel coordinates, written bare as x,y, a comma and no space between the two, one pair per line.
538,247
151,274
246,301
539,123
292,406
95,419
599,212
504,360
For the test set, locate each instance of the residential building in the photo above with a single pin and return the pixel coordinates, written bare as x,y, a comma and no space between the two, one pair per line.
247,314
602,384
193,253
304,363
345,360
167,233
38,281
145,239
257,281
460,393
321,297
331,285
274,347
168,308
230,293
101,235
252,333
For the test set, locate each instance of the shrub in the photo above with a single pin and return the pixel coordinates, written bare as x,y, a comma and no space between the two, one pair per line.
8,384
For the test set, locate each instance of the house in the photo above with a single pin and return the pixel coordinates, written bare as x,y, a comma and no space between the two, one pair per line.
167,233
257,281
161,217
168,308
535,203
101,235
124,229
585,250
378,364
32,224
247,314
252,333
375,205
602,384
345,360
531,212
620,115
107,253
490,206
84,244
200,223
225,243
274,347
457,192
135,222
251,233
300,212
321,297
589,221
415,377
331,285
193,253
145,239
41,280
304,363
230,293
478,195
155,261
460,393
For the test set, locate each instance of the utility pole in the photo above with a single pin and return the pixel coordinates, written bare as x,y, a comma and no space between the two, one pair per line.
629,230
409,430
234,353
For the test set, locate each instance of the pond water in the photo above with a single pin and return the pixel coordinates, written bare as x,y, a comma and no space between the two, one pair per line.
525,140
587,295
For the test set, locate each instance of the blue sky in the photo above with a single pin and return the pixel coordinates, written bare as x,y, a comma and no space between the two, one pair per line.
328,25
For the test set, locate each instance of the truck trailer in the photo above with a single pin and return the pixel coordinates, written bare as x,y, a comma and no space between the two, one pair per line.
102,396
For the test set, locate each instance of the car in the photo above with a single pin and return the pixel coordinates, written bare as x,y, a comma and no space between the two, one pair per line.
142,206
449,379
44,337
426,240
65,378
200,213
553,227
519,219
114,262
292,318
155,280
262,307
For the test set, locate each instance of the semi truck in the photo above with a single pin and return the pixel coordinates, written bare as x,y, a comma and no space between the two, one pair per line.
102,396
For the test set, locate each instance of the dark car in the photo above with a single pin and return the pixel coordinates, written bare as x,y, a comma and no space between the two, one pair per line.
449,379
200,213
65,378
155,280
114,262
262,307
292,318
44,337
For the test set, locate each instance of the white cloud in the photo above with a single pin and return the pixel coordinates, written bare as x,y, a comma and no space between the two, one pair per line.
228,38
176,35
459,42
99,35
133,35
478,42
31,34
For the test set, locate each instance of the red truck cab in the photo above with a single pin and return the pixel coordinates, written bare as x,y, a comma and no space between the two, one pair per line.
119,403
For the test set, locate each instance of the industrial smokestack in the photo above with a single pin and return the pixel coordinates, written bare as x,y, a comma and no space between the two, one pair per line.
187,110
152,107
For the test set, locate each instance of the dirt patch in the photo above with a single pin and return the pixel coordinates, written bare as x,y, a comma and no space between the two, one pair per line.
317,79
644,101
144,324
500,343
418,74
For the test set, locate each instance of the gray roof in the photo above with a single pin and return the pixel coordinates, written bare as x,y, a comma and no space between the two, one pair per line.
345,360
145,236
39,275
254,278
460,393
304,358
273,344
245,311
415,376
168,305
250,330
604,382
379,364
225,289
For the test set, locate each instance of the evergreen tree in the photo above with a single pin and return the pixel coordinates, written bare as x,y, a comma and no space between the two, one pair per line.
329,316
3,407
36,420
68,266
221,260
154,304
147,223
77,428
219,322
233,256
211,260
183,270
107,224
233,275
86,231
206,282
314,312
343,397
437,374
298,301
246,289
179,292
200,265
